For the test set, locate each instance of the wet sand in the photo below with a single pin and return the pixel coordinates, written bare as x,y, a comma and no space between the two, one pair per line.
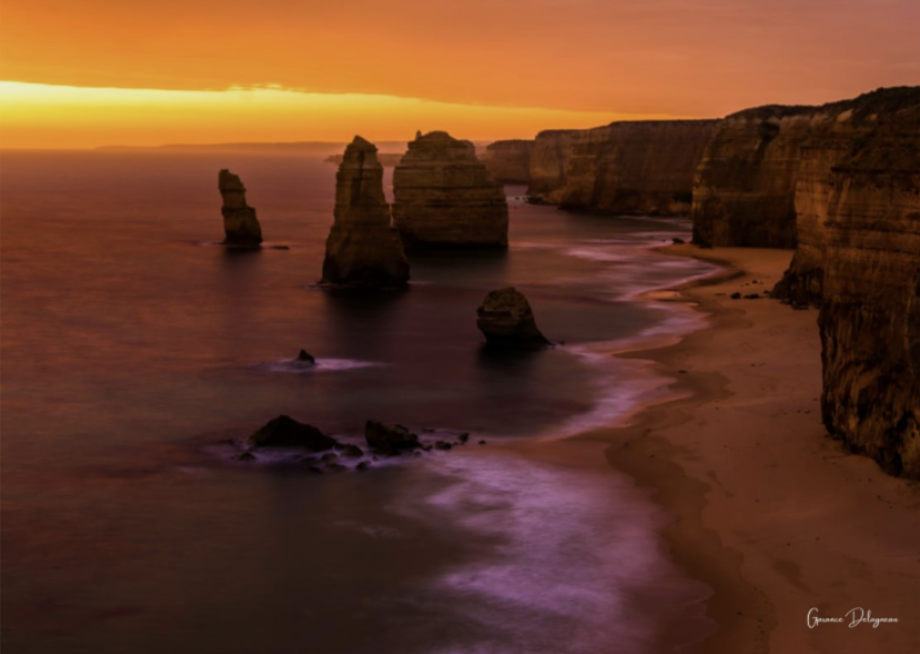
774,516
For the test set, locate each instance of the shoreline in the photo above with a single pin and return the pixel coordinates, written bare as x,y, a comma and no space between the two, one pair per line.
766,510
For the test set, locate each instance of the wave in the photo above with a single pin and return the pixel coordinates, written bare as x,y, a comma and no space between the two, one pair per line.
321,365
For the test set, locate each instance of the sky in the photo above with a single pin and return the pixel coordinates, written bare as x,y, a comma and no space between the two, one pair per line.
124,72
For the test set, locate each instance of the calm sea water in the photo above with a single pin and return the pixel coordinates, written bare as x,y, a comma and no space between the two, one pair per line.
131,345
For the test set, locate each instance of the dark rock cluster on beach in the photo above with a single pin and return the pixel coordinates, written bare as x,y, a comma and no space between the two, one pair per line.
285,441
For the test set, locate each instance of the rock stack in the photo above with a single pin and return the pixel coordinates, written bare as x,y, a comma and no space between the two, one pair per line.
363,249
444,196
506,320
241,227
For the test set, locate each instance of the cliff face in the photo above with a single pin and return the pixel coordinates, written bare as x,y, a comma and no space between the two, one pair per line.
509,161
363,250
635,168
549,160
833,132
870,315
241,227
744,191
443,195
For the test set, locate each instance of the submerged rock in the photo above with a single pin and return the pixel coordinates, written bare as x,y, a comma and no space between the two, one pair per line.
506,320
363,250
241,227
305,357
388,438
284,431
445,196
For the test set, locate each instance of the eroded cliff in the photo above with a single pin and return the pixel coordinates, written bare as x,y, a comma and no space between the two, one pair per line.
635,168
549,160
444,196
870,315
509,161
363,249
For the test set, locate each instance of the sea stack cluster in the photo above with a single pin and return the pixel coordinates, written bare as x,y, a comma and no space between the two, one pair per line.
444,196
241,227
363,249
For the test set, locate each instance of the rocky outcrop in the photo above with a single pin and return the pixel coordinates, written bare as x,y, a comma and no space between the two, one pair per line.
549,160
363,249
509,161
870,313
834,130
506,320
389,439
635,168
444,196
386,159
241,227
284,431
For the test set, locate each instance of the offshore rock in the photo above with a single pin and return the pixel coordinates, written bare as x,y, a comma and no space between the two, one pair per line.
870,313
509,161
444,196
506,320
241,227
389,439
363,249
635,167
284,431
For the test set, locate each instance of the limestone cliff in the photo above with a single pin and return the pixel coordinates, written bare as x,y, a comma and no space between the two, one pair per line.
363,249
549,161
241,227
833,131
635,168
444,196
744,192
869,207
509,161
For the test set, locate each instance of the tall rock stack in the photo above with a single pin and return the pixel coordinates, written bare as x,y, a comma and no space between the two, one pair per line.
241,227
635,168
363,249
870,313
509,161
444,196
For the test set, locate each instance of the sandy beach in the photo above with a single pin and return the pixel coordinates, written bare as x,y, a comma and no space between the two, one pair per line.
777,518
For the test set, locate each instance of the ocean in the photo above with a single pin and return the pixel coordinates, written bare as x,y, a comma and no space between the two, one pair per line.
132,346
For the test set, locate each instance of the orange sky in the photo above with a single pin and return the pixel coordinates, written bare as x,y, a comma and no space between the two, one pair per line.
572,62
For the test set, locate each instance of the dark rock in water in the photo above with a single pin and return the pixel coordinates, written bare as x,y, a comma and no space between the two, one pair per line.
464,437
305,357
388,438
443,445
241,227
364,465
506,320
284,431
363,250
678,241
246,456
329,456
735,296
752,296
352,451
482,442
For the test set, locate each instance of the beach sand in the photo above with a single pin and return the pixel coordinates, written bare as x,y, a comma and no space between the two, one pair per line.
768,511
